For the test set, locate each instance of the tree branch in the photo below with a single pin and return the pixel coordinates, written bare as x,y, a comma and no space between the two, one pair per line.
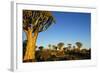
25,30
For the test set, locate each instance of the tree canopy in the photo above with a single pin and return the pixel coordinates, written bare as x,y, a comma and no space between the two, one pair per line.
40,20
60,45
79,44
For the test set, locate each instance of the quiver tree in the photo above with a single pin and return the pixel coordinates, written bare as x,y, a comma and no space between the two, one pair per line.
69,46
79,45
33,23
54,47
41,48
49,46
60,45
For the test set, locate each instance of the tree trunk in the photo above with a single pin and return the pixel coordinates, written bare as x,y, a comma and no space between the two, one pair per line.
31,45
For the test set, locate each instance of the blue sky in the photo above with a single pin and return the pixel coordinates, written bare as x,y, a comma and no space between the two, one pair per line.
70,27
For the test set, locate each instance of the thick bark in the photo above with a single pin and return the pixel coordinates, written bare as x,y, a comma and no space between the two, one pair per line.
31,45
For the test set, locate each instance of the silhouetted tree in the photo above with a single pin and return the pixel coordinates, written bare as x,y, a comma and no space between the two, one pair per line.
64,48
74,47
41,48
34,22
60,45
24,47
24,44
79,45
49,46
69,46
54,47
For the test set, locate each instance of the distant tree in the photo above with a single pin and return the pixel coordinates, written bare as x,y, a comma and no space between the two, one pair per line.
41,48
49,46
24,47
24,44
79,45
54,47
69,46
60,45
84,50
64,48
74,47
89,50
34,22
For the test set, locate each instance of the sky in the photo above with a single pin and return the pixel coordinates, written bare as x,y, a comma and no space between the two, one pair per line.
70,27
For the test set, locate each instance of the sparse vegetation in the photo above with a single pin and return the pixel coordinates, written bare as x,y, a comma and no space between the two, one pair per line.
67,53
36,21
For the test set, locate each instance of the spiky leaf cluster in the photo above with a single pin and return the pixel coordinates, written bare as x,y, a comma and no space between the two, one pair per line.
40,20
